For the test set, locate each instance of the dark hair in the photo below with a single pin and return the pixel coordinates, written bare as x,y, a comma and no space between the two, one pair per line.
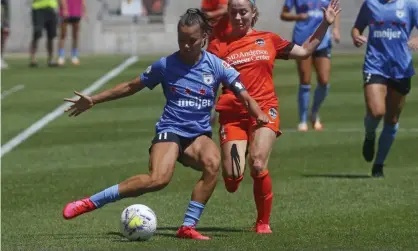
194,16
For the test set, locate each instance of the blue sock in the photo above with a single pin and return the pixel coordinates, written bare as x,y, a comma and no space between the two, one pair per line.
385,142
106,196
321,91
74,52
371,124
61,52
303,101
192,216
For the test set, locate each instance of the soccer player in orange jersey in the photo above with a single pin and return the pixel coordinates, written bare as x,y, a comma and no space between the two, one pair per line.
217,10
253,53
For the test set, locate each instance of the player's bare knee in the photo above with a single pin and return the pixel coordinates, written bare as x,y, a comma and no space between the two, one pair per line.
377,113
159,182
258,162
212,164
392,120
323,80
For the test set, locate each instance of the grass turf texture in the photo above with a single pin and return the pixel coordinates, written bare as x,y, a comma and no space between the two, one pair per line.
324,198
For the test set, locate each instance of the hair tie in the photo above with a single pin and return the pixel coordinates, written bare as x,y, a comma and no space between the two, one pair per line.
192,11
252,2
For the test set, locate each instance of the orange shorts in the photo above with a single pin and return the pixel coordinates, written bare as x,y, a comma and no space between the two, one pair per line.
235,126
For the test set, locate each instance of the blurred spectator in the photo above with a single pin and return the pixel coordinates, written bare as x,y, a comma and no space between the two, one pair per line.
4,29
43,17
155,10
71,12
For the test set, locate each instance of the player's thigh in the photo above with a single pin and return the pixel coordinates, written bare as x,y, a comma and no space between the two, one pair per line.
203,154
322,63
63,29
233,135
304,70
38,22
262,142
75,25
234,158
395,100
375,91
51,23
164,153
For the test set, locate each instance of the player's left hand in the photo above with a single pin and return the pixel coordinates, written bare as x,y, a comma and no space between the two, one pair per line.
336,35
262,119
413,43
331,12
79,105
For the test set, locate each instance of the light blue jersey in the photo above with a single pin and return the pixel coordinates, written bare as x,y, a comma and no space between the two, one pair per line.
303,29
190,92
390,24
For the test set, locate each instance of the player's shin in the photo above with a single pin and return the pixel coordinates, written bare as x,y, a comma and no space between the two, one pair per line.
321,92
385,142
201,194
263,195
303,101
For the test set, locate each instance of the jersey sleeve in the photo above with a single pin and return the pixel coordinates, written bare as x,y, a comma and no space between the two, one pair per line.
153,75
363,17
227,74
289,4
282,46
414,13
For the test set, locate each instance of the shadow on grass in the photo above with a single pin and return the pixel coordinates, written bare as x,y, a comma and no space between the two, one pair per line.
337,176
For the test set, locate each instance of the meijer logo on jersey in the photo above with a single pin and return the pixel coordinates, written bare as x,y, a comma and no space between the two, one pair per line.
388,33
197,102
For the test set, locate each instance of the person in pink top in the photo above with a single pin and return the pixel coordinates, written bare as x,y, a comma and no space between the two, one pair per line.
71,12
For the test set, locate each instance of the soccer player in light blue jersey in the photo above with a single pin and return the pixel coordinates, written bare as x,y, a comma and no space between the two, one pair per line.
190,79
387,69
308,15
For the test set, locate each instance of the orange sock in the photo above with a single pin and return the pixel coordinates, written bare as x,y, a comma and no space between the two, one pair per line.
263,196
232,184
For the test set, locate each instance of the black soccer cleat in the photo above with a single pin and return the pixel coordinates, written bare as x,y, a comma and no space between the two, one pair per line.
368,149
377,171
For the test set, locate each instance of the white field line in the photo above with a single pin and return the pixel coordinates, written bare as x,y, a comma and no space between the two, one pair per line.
38,125
12,90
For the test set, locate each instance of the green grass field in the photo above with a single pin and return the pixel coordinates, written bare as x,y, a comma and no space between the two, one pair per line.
324,198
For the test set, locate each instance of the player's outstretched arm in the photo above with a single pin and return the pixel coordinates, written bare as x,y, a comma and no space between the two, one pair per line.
85,102
312,43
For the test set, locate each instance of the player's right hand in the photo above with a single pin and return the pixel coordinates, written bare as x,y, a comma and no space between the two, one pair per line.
79,105
413,43
262,119
358,41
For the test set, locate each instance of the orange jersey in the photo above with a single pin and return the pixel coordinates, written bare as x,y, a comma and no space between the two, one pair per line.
222,26
253,57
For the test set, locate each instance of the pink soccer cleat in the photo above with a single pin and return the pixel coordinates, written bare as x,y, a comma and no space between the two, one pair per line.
78,207
186,232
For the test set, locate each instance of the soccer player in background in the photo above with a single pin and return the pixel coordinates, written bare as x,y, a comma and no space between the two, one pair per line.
253,53
217,12
387,69
5,18
308,15
71,12
43,17
190,78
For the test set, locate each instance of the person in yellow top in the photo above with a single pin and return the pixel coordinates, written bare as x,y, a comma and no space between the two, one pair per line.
44,16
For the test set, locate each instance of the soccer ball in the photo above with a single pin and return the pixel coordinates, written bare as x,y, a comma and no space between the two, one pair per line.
138,222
